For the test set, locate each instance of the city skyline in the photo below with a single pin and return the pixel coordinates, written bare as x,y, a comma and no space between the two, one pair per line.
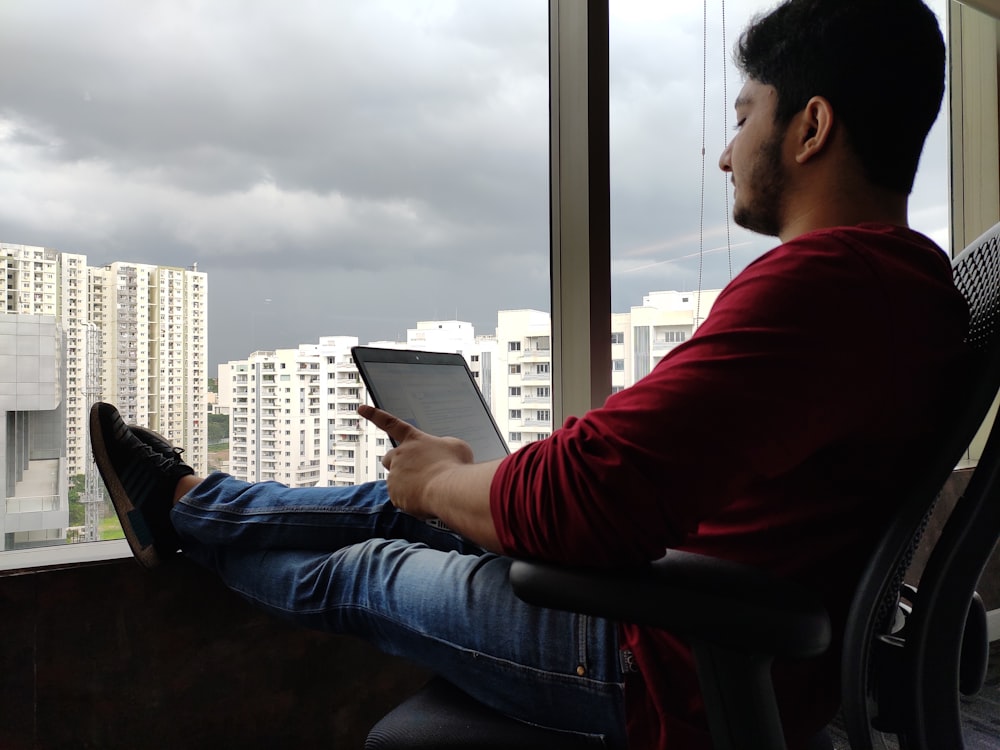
351,167
293,411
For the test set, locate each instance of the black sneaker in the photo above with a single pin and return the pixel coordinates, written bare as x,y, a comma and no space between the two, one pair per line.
141,469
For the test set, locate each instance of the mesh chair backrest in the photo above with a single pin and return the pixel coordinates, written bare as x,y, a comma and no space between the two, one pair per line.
943,649
977,276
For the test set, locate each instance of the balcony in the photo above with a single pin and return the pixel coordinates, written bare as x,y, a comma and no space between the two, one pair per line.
536,399
536,355
36,504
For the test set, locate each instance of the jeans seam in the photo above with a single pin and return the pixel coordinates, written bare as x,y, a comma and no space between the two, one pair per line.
549,675
215,510
582,626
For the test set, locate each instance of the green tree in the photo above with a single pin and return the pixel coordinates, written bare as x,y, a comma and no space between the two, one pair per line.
77,513
218,428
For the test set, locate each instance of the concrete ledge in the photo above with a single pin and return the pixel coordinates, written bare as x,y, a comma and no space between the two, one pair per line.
111,656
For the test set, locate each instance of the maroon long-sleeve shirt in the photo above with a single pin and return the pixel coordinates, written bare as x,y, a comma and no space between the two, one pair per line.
775,436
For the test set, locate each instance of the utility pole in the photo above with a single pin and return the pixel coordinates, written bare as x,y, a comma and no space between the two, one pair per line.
93,494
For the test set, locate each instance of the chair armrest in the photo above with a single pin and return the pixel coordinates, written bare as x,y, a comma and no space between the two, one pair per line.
690,595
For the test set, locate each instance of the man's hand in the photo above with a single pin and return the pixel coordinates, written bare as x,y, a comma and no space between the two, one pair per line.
434,477
416,462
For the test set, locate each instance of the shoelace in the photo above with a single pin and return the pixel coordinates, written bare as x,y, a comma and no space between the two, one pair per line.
165,457
168,461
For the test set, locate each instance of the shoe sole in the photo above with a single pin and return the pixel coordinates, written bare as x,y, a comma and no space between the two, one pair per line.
147,556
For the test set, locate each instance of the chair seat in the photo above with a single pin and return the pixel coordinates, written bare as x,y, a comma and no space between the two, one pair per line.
442,717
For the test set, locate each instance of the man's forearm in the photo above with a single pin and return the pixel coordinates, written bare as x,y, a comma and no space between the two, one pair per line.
460,497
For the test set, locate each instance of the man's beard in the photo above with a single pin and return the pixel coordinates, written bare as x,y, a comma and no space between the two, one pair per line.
765,181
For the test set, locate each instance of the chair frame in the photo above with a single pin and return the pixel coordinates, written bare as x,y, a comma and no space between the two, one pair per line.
885,677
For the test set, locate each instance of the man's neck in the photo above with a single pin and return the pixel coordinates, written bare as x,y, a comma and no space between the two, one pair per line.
849,206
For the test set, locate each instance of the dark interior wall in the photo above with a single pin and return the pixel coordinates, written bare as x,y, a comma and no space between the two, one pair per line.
111,656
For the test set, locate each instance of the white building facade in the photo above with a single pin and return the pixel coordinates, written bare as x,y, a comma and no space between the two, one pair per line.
294,411
640,338
645,334
293,415
147,327
154,365
41,281
523,409
35,510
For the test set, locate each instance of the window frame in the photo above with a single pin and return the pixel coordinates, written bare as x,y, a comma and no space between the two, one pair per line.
580,244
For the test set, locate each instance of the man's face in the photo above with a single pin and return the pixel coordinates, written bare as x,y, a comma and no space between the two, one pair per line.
754,158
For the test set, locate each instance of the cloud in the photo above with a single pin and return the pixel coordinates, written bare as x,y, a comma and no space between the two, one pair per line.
363,164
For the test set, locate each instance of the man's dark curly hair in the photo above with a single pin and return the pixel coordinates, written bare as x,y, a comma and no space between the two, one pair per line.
880,63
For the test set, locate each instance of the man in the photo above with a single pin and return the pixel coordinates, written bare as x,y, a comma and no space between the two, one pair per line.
773,437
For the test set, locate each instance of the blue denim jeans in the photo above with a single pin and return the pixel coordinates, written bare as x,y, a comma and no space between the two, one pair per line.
345,560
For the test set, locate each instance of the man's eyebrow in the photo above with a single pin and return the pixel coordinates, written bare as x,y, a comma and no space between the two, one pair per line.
742,100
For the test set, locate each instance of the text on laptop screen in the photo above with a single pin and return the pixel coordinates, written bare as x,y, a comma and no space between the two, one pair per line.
440,400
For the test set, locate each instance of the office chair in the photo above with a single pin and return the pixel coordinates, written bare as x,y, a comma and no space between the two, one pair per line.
907,681
903,681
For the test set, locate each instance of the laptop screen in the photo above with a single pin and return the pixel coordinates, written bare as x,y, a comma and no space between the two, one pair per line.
433,391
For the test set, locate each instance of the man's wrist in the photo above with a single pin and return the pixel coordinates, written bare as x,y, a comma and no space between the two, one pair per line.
434,493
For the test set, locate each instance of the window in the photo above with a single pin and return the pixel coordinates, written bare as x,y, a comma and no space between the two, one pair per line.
617,337
544,415
514,414
542,368
627,276
514,391
617,365
543,391
513,346
514,437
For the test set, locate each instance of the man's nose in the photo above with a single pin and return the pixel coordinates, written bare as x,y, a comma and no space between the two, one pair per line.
724,159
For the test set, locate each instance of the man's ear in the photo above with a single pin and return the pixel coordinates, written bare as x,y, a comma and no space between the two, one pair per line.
813,129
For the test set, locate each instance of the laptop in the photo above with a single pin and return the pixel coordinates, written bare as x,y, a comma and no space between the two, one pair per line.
433,391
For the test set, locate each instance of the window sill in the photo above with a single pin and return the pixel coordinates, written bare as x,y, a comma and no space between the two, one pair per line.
30,560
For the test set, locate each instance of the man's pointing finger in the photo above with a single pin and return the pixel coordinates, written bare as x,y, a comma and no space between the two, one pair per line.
394,427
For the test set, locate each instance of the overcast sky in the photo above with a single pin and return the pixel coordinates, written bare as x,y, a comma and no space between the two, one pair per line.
349,167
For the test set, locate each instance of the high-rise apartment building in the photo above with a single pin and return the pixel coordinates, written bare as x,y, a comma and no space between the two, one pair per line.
154,365
42,281
148,324
523,376
640,338
293,415
294,411
645,334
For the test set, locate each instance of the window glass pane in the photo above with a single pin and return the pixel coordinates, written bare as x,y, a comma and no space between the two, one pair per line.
336,169
663,252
